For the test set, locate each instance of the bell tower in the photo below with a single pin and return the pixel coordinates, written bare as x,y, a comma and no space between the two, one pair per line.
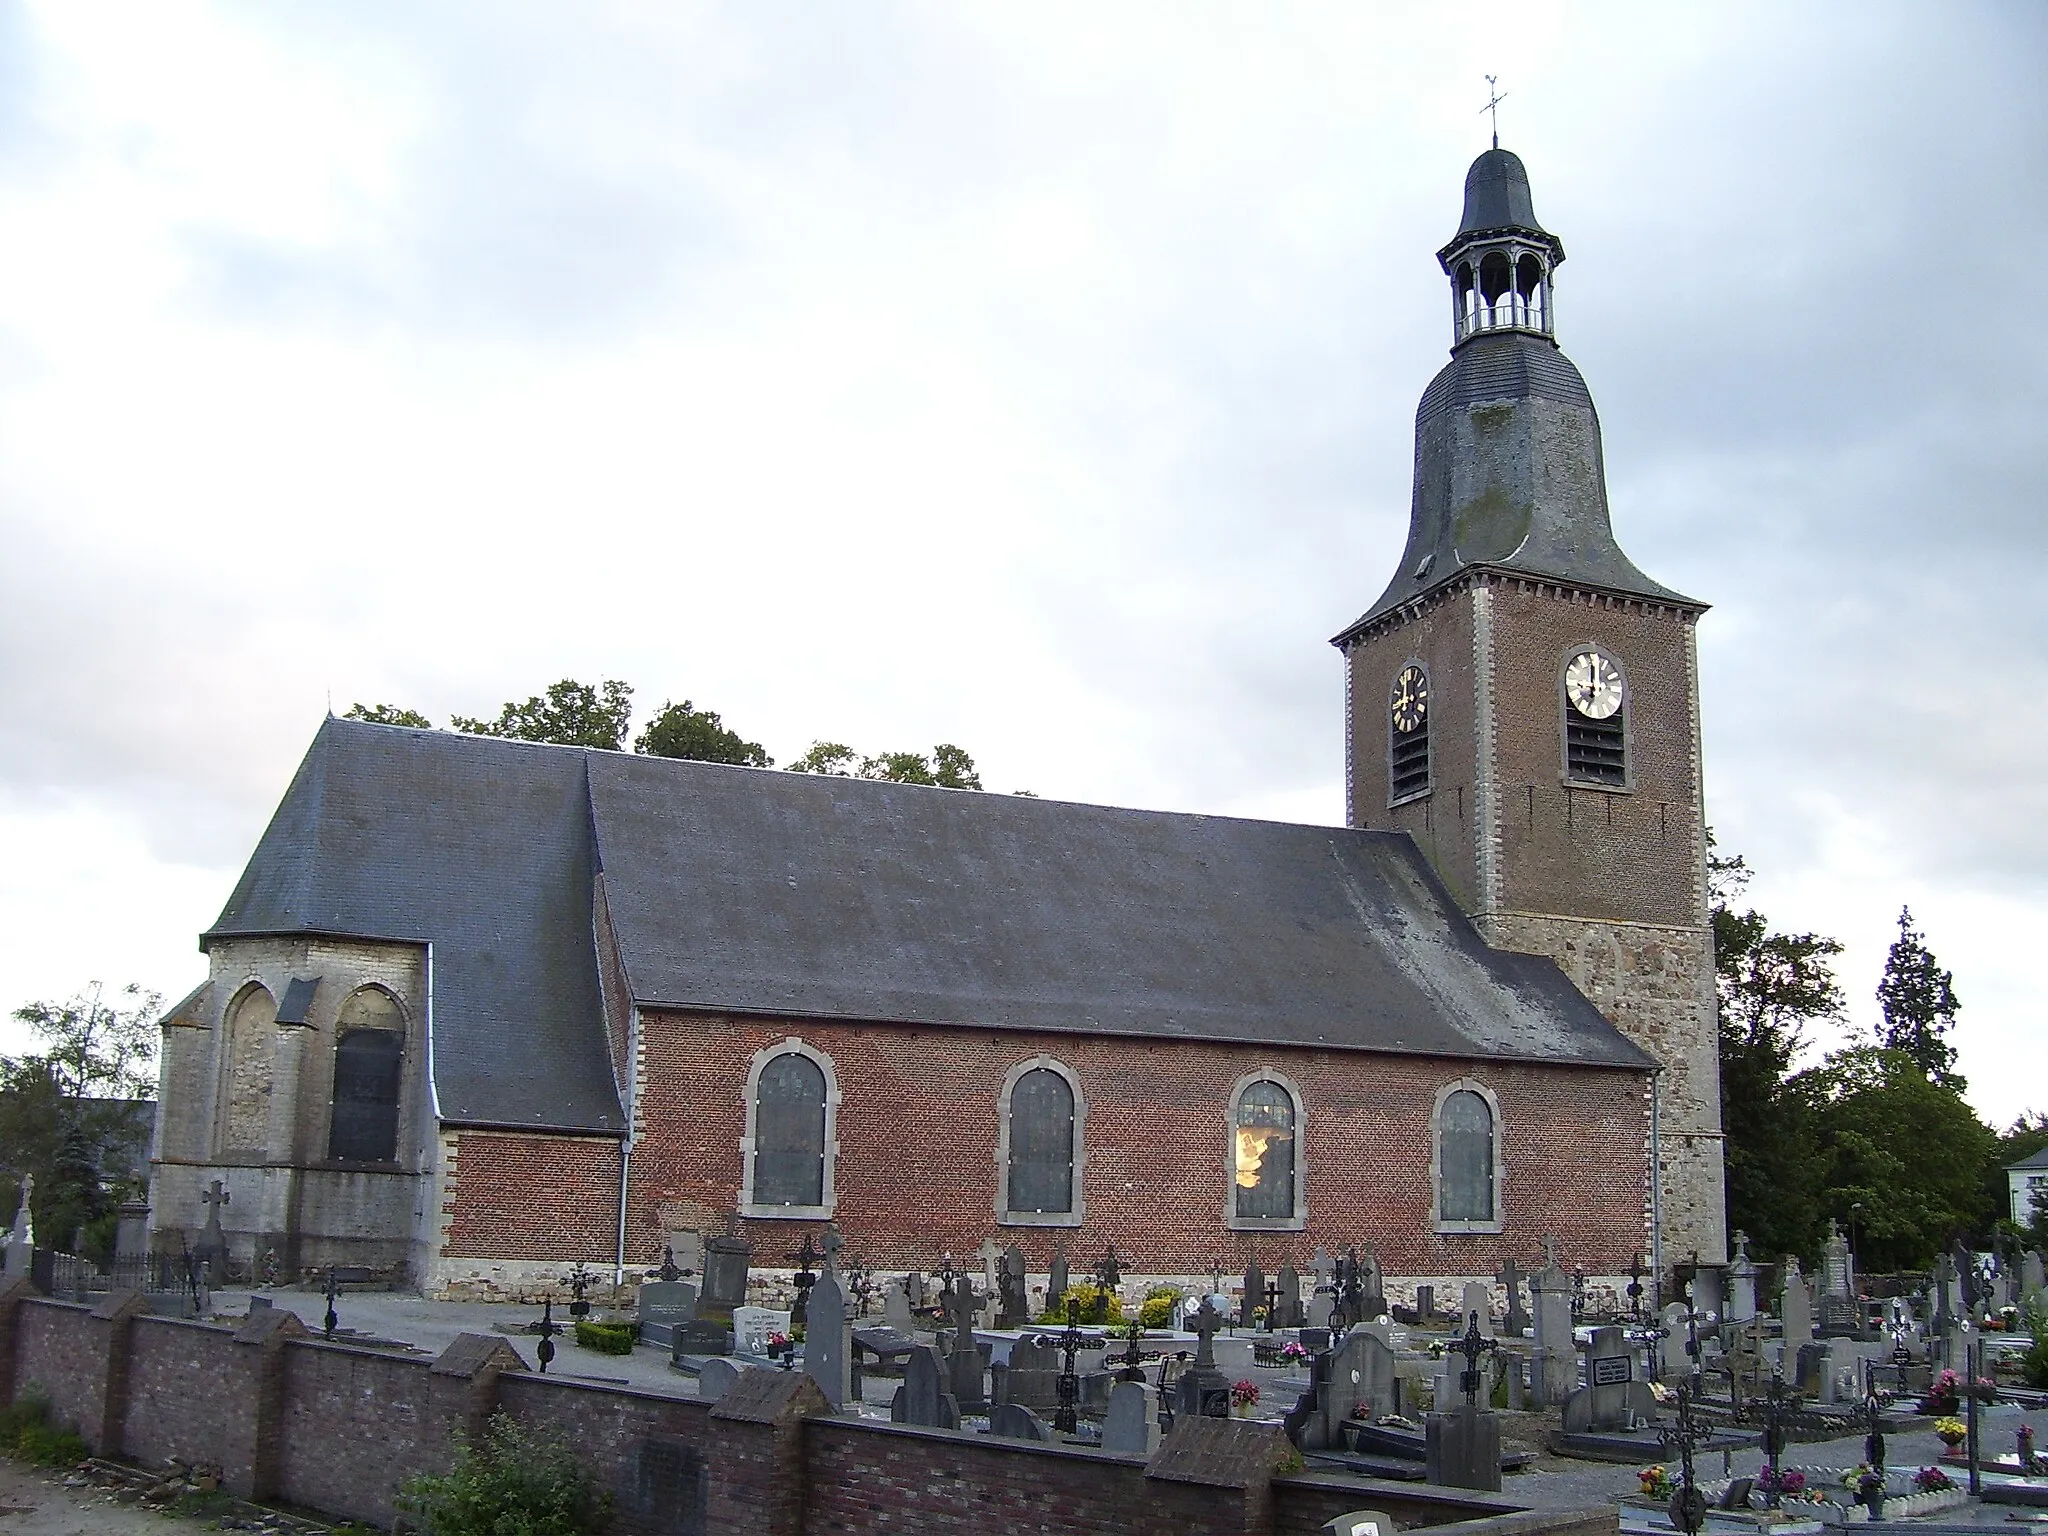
1524,701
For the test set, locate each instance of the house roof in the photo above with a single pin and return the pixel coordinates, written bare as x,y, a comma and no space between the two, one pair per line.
2038,1158
760,892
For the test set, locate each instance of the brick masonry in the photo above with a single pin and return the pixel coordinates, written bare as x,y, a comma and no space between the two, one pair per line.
1611,884
338,1430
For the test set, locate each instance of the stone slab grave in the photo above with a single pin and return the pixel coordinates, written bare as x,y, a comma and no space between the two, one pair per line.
1359,1370
715,1378
1254,1296
1554,1365
1130,1424
923,1399
1613,1398
828,1338
665,1305
751,1327
1013,1421
1795,1309
1288,1307
727,1258
1030,1378
1464,1448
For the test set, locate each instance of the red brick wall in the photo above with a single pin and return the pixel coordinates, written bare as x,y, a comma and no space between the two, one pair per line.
356,1424
56,1358
181,1397
513,1195
917,1136
608,1428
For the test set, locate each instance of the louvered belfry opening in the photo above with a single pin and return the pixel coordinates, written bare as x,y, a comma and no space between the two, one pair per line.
1411,761
1596,751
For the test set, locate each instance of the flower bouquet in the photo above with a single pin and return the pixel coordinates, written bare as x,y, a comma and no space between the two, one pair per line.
1244,1397
1655,1482
1294,1352
1786,1482
1952,1432
1932,1480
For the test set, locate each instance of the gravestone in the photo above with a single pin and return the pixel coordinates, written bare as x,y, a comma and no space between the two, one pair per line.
1814,1371
1130,1426
131,1230
1518,1323
665,1305
727,1258
1425,1302
212,1248
896,1311
1372,1280
1709,1294
1012,1308
1011,1421
1202,1391
965,1364
751,1327
1478,1302
715,1378
1289,1305
1673,1362
1360,1372
991,1261
1946,1295
1254,1296
914,1291
1057,1284
1741,1283
1322,1304
1795,1309
2033,1279
1032,1377
1464,1448
1554,1364
923,1398
21,1238
1838,1287
828,1338
1612,1399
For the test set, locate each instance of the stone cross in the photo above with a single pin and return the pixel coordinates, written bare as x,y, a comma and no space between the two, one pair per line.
832,1242
990,1255
1472,1345
1550,1250
1325,1269
1204,1324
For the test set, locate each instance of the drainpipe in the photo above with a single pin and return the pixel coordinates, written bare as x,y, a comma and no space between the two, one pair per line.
1657,1184
626,1147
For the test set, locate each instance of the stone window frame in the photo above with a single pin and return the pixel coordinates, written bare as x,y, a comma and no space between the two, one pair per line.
405,1050
1565,712
224,1063
1079,1154
1436,1161
793,1046
1299,1220
1428,735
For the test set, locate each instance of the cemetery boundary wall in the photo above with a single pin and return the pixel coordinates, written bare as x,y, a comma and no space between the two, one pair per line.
290,1418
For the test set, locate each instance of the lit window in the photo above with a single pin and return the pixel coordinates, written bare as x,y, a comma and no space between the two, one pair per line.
1263,1152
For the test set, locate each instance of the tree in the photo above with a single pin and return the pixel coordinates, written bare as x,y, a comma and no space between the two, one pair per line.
1768,987
2026,1135
569,714
388,714
683,730
1919,1002
98,1049
1905,1148
948,767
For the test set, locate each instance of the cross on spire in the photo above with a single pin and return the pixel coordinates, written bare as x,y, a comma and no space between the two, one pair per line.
1494,99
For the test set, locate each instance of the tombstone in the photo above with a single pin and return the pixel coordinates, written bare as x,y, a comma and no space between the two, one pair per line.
1741,1283
1611,1400
212,1248
923,1398
2032,1279
715,1378
1372,1281
1554,1372
991,1260
828,1341
1814,1371
1057,1282
1478,1302
665,1305
1838,1265
914,1291
1202,1391
21,1238
1795,1309
727,1258
965,1365
1709,1293
1011,1421
1463,1448
1031,1378
1673,1363
1322,1303
1360,1370
1518,1323
131,1230
896,1311
1012,1309
1254,1295
1289,1305
1359,1522
1425,1302
751,1327
1130,1426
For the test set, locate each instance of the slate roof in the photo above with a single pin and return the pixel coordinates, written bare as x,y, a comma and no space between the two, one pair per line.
2038,1158
1497,197
762,892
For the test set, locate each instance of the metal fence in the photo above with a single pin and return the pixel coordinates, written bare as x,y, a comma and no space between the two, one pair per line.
67,1277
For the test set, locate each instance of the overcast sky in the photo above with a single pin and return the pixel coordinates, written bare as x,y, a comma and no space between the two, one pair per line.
1036,377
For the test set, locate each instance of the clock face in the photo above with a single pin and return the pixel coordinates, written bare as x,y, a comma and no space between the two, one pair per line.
1411,699
1593,685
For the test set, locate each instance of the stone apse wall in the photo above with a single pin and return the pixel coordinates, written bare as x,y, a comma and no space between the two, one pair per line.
292,1419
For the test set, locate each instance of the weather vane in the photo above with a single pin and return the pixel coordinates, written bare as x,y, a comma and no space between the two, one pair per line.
1495,98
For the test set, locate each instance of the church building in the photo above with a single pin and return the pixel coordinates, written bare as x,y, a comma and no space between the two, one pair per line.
478,1010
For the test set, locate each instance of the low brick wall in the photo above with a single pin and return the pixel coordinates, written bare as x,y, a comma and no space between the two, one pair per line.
336,1429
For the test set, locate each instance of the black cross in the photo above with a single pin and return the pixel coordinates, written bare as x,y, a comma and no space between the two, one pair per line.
1472,1346
332,1287
1065,1419
669,1273
547,1328
805,1279
1635,1287
1109,1274
1134,1359
1688,1506
579,1280
1777,1411
947,1273
1272,1305
1493,100
1693,1318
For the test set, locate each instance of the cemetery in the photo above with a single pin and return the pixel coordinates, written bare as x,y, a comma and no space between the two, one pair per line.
814,1393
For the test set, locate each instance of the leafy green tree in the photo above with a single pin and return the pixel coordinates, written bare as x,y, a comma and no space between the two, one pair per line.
683,730
948,766
514,1480
95,1048
569,714
1904,1147
1769,987
1919,1002
388,714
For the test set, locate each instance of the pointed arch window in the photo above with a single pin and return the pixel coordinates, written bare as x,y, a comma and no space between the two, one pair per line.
250,1038
1408,765
1267,1187
789,1149
1467,1161
369,1076
1038,1153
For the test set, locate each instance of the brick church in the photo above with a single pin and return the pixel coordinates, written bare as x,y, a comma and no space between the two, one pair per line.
483,1009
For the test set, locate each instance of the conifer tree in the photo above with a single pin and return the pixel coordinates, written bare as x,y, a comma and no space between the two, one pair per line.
1919,1002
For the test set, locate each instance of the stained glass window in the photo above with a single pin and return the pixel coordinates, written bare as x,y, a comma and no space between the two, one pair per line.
1465,1155
1263,1152
789,1133
364,1127
1042,1143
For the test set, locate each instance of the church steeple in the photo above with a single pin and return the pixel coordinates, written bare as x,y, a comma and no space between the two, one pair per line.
1501,260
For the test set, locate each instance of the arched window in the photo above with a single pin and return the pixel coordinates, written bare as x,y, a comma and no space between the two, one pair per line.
1039,1146
1265,1169
251,1032
1408,736
792,1098
1467,1159
368,1070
